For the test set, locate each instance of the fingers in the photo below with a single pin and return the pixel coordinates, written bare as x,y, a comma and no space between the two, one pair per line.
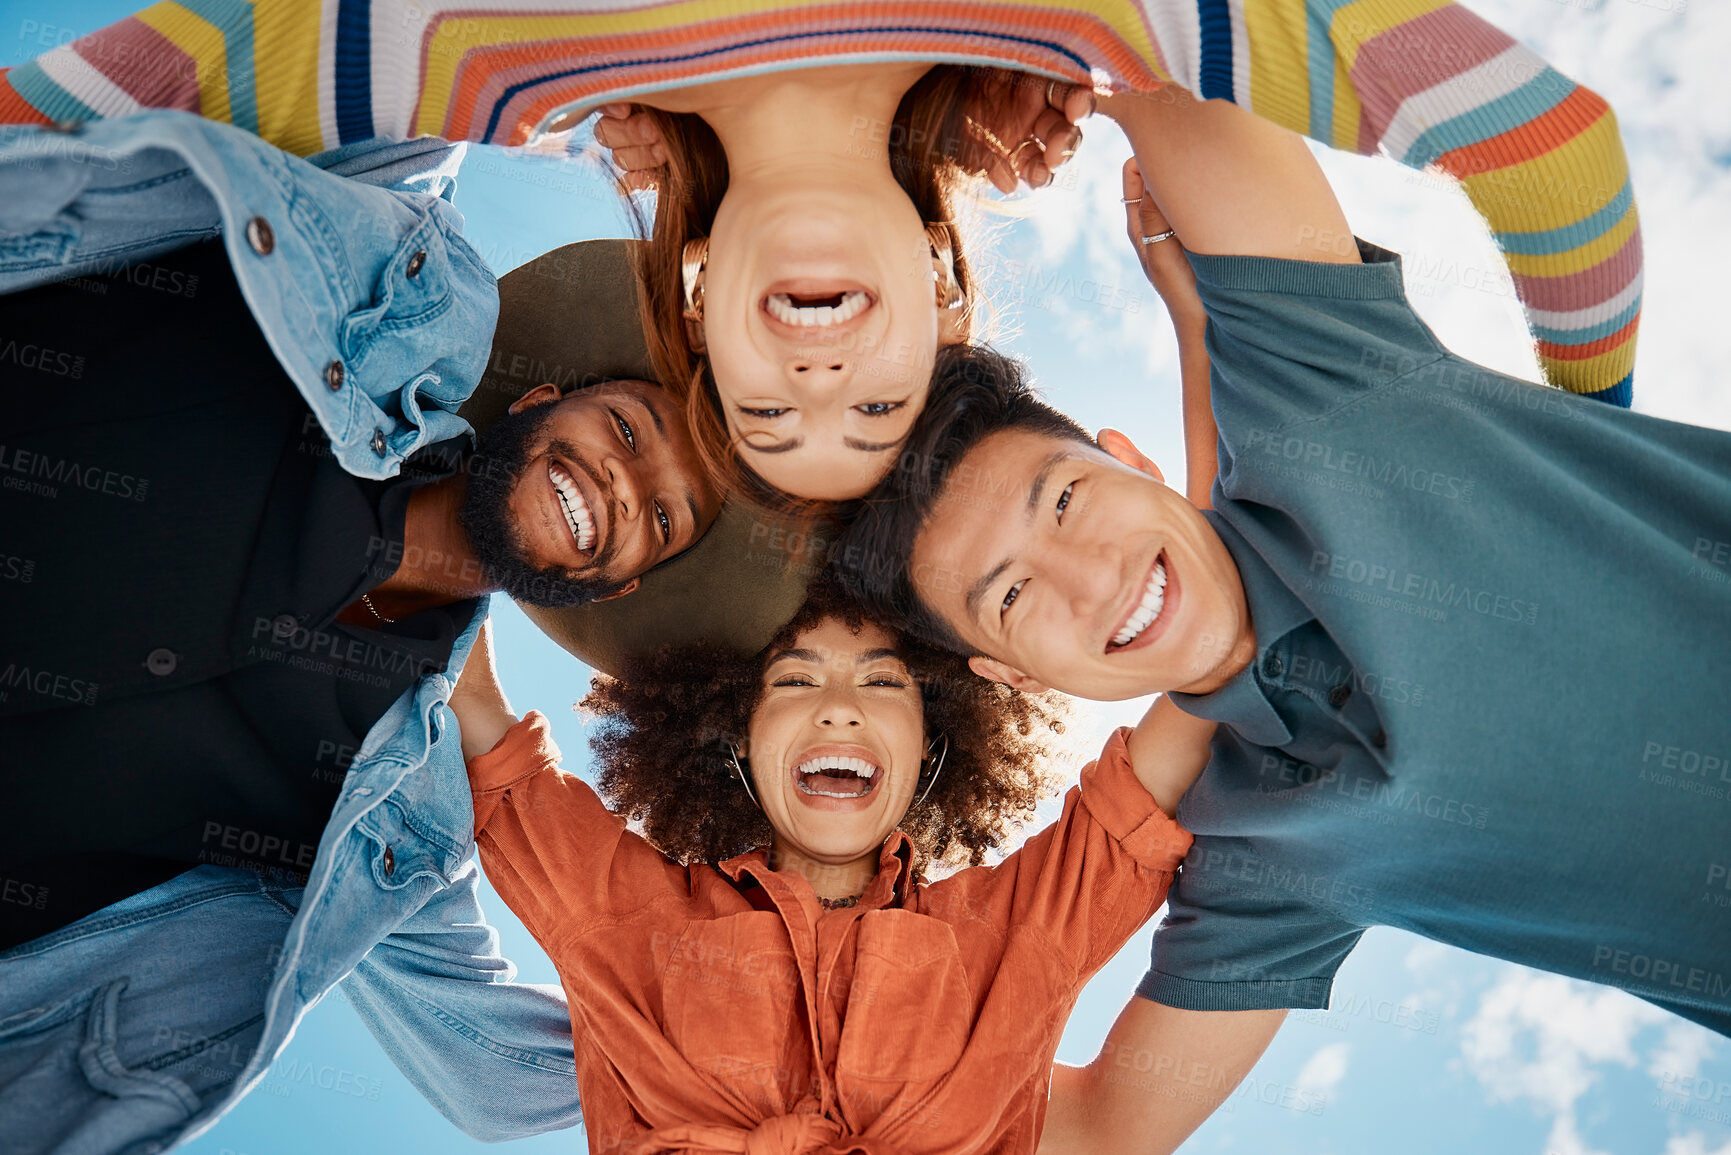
1060,139
634,134
1075,102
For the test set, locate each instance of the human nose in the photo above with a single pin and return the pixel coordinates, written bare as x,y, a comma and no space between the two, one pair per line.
626,487
821,369
1091,577
838,709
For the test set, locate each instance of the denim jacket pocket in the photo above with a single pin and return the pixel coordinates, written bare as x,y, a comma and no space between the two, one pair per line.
400,855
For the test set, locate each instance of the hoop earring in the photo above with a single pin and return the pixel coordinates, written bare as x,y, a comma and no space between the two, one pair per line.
733,760
949,290
942,742
692,260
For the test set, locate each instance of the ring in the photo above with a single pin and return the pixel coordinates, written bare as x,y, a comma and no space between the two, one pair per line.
1129,200
1158,237
1051,87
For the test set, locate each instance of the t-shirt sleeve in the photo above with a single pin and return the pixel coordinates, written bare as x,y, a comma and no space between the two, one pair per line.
1240,935
1092,878
554,852
1293,341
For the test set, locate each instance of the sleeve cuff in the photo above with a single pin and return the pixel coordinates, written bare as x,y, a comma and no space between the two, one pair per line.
1378,278
1119,802
1246,995
526,749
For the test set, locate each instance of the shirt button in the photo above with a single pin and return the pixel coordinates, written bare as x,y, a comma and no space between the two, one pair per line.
415,263
334,375
1272,666
379,442
1379,739
1337,697
283,625
161,661
390,862
260,237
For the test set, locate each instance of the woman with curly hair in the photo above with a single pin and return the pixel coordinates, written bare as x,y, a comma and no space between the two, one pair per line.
766,968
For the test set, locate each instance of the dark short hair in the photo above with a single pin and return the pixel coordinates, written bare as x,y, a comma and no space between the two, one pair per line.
975,391
661,750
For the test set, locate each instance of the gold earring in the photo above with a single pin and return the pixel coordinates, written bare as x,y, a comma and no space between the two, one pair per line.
949,290
692,260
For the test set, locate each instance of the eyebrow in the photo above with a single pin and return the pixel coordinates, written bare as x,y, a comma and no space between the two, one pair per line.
869,446
660,426
696,518
978,590
778,447
814,657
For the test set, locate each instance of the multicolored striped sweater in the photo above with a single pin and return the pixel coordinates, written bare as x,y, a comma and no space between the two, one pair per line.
1423,81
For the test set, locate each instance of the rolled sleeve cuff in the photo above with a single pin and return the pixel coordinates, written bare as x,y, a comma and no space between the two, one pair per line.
526,749
1123,807
1248,995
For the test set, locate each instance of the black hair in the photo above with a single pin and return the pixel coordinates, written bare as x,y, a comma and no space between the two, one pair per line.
976,391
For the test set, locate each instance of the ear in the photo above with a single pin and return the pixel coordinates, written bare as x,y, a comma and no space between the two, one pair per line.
1125,451
996,671
540,395
954,325
628,587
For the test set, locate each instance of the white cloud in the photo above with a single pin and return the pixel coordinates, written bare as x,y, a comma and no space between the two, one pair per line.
1680,1053
1323,1071
1694,1143
1541,1039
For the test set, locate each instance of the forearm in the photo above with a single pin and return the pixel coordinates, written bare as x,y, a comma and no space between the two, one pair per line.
1230,182
1201,438
1168,750
1159,1075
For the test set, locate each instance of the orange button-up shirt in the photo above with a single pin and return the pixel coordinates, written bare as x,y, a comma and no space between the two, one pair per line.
724,1009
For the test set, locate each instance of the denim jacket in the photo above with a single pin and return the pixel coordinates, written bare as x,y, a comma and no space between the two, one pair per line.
137,1027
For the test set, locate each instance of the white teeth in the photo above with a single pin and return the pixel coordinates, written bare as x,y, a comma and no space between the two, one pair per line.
1153,598
782,308
577,514
859,767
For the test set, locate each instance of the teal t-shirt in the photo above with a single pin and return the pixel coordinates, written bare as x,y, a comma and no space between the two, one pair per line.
1491,702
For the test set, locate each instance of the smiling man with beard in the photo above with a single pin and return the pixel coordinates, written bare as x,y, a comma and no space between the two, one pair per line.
254,535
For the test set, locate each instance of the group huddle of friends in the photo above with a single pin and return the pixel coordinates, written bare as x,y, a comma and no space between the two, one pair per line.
1435,648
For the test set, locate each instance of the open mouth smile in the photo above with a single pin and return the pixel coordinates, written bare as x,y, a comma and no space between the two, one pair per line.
831,776
822,310
1146,618
574,506
799,307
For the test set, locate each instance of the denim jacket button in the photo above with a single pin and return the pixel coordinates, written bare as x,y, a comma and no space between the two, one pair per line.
260,236
334,375
65,126
1337,697
390,862
415,263
379,442
284,625
161,661
1272,666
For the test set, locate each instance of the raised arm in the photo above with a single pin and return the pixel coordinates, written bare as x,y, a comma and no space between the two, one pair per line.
1162,1071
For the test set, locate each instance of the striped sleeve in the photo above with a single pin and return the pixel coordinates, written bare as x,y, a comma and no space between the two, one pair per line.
1424,81
1432,85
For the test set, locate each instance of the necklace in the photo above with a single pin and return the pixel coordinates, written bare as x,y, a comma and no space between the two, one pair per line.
838,903
368,602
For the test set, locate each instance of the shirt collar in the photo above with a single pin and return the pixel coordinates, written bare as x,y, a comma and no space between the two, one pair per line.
1275,611
889,887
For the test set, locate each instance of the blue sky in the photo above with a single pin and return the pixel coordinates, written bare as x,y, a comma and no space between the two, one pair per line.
1427,1049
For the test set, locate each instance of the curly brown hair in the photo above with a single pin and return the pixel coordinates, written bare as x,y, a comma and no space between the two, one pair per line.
661,749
